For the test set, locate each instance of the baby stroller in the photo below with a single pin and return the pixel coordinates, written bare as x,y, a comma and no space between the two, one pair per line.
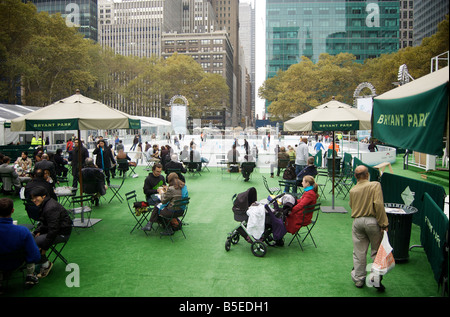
273,229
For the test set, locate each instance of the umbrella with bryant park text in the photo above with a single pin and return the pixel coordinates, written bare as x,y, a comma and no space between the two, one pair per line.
331,116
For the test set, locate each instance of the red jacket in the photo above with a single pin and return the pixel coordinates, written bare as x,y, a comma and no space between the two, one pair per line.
294,220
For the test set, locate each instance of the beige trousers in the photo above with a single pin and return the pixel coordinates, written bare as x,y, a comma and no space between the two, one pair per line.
365,231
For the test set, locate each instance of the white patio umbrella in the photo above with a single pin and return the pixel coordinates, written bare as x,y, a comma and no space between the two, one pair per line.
331,116
76,112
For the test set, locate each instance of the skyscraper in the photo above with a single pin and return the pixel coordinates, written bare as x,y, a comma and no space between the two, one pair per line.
134,27
79,13
247,40
427,16
298,28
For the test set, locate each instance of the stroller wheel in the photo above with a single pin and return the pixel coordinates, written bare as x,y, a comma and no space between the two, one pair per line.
235,238
227,245
258,248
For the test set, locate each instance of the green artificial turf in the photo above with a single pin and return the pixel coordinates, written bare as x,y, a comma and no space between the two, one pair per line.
114,263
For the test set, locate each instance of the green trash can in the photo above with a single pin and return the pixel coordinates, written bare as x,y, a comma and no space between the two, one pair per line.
399,229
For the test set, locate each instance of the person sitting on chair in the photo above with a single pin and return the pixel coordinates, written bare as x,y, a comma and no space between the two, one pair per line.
247,167
47,164
16,239
25,163
173,165
54,221
93,180
123,161
176,191
39,181
282,161
7,169
295,220
233,159
60,161
310,169
152,182
194,159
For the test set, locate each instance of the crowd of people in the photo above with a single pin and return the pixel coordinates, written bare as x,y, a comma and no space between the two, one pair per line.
39,172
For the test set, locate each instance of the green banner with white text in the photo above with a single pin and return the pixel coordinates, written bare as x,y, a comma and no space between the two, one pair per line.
416,122
51,125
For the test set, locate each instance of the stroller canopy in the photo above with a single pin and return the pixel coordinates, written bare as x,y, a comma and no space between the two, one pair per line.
242,202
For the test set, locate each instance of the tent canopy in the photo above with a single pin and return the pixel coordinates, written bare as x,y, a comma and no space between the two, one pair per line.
76,112
413,116
331,116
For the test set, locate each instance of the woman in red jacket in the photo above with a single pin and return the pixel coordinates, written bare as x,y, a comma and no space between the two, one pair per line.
295,219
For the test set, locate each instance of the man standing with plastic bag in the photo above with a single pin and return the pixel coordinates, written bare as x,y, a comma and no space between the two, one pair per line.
369,223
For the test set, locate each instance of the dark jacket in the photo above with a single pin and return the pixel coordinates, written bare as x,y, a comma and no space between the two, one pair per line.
54,220
47,165
152,183
93,180
39,182
107,157
84,155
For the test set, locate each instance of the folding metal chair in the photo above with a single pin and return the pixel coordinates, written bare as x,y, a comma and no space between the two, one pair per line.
148,161
115,188
309,226
271,190
344,182
85,208
321,180
194,168
178,212
140,217
289,187
57,247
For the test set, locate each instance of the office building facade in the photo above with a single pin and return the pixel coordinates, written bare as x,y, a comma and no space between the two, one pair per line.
77,13
214,52
299,28
427,15
134,27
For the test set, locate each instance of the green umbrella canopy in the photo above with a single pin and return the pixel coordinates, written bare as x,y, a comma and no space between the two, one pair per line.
331,116
76,112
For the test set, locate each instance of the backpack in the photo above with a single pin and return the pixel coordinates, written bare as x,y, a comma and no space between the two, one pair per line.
289,172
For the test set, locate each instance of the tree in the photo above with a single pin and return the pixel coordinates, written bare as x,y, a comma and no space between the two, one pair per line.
58,62
18,28
306,85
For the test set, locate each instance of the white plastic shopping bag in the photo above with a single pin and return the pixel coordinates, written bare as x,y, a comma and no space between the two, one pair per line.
384,261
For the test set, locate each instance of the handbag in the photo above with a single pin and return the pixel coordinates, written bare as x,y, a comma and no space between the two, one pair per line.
384,260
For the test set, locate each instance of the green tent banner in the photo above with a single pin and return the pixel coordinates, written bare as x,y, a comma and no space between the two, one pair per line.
433,235
51,125
335,126
134,124
415,122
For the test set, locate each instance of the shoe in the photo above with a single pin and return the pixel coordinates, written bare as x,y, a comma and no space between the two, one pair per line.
44,271
380,288
359,284
148,227
271,176
31,280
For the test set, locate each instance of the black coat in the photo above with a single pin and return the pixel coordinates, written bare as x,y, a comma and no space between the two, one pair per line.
107,157
84,155
54,220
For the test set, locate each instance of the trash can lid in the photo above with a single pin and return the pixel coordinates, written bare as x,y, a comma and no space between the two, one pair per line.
394,208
